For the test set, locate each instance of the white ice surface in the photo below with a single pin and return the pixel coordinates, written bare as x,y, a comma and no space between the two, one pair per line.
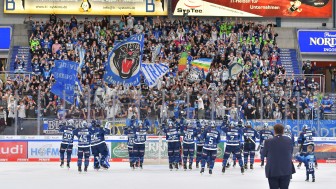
45,175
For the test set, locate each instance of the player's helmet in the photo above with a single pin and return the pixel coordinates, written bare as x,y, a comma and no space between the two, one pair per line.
249,124
213,124
84,124
232,124
98,123
305,127
266,126
71,122
240,124
288,127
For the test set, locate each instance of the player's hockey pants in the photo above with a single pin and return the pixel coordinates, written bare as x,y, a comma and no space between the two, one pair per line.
100,154
249,149
68,149
209,154
174,152
131,154
199,153
83,151
234,150
188,150
139,152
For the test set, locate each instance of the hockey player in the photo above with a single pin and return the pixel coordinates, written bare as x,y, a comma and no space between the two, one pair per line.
309,160
233,145
139,143
173,140
129,131
84,139
288,133
264,134
98,146
250,136
305,139
211,138
67,141
199,145
189,144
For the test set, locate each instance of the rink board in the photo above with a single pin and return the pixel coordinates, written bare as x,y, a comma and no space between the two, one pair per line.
46,149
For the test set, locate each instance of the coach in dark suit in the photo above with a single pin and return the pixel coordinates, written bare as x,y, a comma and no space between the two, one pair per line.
279,167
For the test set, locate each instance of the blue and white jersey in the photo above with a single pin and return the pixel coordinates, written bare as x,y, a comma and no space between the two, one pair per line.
250,135
199,139
130,137
306,138
140,135
98,135
172,134
309,161
233,136
290,135
84,137
211,139
67,137
189,136
264,135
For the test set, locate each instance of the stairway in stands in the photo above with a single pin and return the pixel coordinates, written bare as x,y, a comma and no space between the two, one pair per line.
289,61
21,51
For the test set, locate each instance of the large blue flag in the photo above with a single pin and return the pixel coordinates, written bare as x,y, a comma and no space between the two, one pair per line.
124,62
65,74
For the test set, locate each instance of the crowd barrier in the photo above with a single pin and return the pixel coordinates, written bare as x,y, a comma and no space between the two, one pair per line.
46,149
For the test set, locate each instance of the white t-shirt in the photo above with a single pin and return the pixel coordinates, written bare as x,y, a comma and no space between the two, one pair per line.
130,22
200,103
22,111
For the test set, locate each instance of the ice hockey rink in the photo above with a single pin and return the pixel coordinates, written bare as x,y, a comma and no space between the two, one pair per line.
46,175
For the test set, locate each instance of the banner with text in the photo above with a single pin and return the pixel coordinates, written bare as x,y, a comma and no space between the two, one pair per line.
317,41
153,72
87,7
254,8
124,62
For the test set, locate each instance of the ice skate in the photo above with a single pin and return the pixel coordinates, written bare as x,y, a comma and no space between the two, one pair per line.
68,165
170,166
223,169
85,168
245,166
190,166
251,166
185,167
202,170
210,171
62,164
79,169
197,165
242,170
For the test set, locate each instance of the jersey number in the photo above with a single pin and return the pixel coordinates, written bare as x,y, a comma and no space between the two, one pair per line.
83,139
210,140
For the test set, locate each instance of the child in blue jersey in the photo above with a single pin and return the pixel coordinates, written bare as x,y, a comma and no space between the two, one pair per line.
233,145
305,139
129,131
139,143
211,138
309,161
250,136
173,141
264,134
98,146
67,141
84,139
188,144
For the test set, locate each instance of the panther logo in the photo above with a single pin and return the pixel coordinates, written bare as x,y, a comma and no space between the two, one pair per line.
125,61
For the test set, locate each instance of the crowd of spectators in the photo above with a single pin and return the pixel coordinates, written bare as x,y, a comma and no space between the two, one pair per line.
262,90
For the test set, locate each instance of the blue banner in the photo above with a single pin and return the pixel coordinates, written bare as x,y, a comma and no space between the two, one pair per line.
323,128
5,33
65,74
124,62
153,72
317,41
